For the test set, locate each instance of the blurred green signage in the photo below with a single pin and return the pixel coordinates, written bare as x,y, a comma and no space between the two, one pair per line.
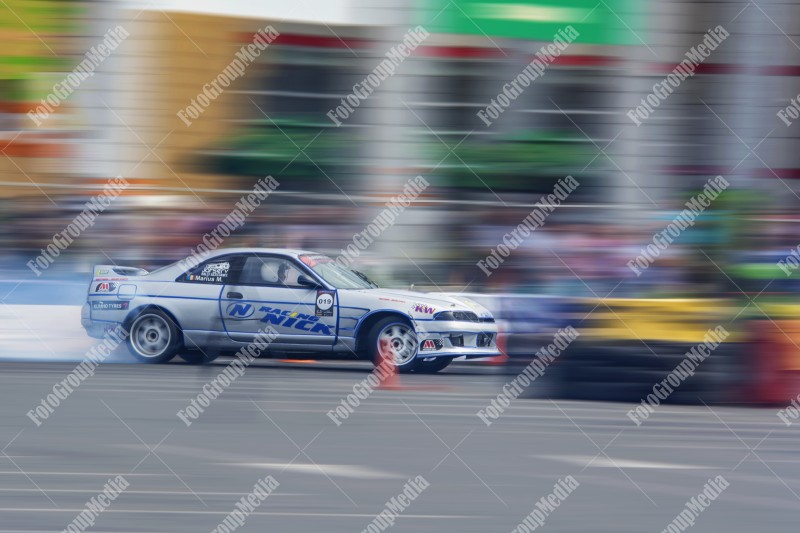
608,22
33,33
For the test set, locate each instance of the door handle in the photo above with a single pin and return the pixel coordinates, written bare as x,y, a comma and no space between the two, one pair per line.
236,295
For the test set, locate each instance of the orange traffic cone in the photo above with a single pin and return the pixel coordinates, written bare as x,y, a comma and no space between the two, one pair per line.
392,379
386,365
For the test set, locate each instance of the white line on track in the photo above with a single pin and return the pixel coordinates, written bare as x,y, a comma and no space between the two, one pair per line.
604,462
348,471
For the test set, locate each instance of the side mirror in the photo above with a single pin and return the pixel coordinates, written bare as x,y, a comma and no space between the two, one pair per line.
305,281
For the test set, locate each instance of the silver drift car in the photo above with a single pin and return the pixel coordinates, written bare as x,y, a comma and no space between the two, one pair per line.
315,306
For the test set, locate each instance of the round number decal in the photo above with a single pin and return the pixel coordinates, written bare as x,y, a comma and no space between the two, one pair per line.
324,302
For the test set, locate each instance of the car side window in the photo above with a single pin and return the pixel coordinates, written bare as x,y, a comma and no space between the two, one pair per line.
214,271
270,271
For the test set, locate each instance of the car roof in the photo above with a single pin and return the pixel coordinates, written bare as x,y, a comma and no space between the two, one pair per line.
278,251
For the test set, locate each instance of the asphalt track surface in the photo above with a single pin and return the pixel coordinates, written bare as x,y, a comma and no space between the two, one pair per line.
272,421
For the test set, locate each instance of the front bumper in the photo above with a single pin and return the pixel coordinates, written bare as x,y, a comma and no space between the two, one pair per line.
440,338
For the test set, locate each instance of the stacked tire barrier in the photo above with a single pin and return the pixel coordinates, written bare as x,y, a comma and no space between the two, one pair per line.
627,371
631,348
628,348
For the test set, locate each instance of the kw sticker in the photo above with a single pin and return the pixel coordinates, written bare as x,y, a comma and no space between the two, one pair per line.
423,308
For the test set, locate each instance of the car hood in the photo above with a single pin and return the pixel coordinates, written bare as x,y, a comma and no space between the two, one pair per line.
421,304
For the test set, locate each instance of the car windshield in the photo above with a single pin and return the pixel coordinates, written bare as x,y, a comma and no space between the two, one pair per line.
338,276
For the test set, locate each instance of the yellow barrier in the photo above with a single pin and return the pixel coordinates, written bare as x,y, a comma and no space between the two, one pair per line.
673,320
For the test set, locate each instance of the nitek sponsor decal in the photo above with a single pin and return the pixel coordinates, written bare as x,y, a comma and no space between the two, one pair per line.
293,319
324,303
240,310
423,308
432,344
105,287
109,306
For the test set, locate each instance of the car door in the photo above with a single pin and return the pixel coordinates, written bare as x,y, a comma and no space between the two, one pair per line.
194,297
266,292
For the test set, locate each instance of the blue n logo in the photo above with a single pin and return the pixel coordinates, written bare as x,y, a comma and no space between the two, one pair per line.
240,310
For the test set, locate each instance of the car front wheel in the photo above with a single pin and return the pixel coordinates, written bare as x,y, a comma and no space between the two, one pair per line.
393,337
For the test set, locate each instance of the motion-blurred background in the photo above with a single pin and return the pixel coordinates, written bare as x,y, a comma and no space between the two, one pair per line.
421,121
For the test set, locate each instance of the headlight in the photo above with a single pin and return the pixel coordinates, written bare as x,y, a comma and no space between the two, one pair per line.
459,316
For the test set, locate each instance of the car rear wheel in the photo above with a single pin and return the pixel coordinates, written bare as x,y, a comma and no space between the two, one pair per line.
395,337
431,367
154,337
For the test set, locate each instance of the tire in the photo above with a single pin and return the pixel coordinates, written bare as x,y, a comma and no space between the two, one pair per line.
431,367
196,357
154,337
399,332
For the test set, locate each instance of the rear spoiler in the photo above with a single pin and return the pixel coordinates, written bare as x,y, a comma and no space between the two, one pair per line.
104,271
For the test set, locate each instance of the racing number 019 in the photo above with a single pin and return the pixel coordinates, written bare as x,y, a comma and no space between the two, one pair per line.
324,305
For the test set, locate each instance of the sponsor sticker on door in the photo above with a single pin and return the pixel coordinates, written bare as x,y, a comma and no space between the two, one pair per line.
324,305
